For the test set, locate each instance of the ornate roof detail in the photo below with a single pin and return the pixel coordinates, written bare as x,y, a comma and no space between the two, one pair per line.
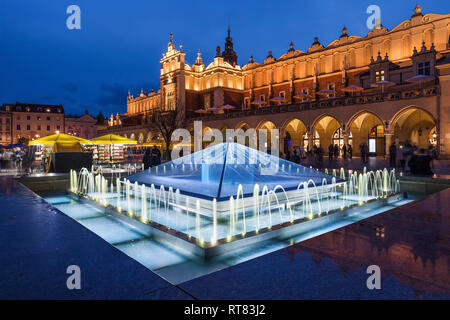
315,45
377,30
199,60
424,50
228,54
417,11
291,47
251,64
171,50
218,54
344,33
270,58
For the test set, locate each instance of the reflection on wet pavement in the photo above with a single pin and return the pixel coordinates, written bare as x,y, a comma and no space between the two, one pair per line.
411,245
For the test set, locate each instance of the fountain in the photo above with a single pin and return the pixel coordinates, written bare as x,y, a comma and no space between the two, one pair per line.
228,195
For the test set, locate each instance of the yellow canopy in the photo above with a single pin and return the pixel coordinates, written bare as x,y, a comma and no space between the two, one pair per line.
67,147
112,139
151,144
59,138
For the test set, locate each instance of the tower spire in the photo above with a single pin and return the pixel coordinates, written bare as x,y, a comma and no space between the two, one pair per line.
228,54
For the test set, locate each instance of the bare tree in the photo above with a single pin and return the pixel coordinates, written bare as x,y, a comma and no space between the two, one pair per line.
166,123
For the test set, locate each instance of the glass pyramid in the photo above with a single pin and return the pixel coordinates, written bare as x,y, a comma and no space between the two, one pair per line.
217,171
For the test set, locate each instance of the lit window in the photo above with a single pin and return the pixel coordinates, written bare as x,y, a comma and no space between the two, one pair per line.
379,76
331,87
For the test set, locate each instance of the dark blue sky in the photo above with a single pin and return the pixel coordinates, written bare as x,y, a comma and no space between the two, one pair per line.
120,42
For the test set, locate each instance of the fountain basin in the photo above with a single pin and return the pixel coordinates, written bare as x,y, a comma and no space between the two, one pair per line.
191,245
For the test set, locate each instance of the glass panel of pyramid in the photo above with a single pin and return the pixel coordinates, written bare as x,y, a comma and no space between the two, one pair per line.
217,172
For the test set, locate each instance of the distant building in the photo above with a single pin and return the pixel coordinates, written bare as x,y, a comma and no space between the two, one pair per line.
5,128
33,121
81,126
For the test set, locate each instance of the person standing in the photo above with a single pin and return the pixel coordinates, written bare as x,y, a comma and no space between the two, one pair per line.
366,152
156,156
146,160
350,151
362,150
330,152
392,155
336,151
344,152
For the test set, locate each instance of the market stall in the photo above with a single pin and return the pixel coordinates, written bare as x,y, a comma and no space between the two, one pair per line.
110,148
62,152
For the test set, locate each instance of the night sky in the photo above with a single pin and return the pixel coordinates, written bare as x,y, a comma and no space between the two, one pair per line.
121,42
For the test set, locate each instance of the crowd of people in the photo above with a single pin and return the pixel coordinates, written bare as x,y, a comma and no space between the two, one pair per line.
419,161
11,158
404,155
316,153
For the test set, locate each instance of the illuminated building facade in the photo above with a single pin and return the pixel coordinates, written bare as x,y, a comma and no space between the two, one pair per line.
5,128
389,86
83,126
32,121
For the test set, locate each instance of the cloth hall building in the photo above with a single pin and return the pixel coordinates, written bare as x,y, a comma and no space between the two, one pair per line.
389,86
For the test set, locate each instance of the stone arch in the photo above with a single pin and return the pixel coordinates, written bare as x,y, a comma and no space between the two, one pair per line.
325,126
356,115
367,127
293,131
267,125
428,37
206,129
242,125
415,125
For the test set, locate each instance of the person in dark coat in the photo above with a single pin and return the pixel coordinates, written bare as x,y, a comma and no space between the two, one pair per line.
330,152
362,150
350,151
156,156
336,151
146,160
392,155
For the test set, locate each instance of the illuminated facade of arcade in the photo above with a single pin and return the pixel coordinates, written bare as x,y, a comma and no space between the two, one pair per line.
387,87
